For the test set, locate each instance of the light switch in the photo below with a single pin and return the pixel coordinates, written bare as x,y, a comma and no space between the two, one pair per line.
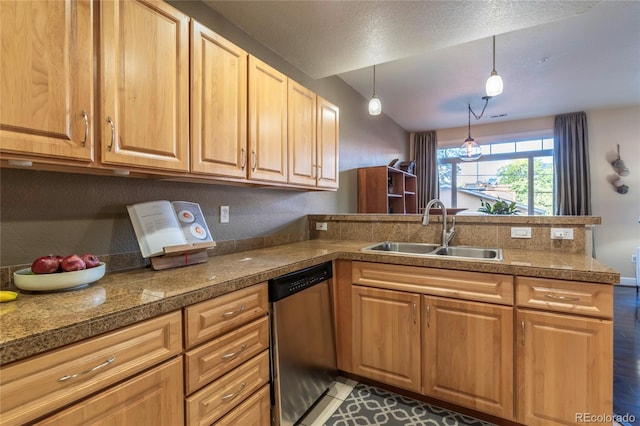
521,232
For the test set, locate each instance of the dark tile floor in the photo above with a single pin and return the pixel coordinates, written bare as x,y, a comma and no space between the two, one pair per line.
626,352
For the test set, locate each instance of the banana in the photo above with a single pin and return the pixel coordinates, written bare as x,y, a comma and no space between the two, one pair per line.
7,296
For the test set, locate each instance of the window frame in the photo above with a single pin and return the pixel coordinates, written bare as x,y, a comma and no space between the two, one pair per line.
518,155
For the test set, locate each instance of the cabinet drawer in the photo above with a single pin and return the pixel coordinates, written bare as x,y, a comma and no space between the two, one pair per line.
565,296
151,398
211,360
211,318
479,286
212,402
38,385
255,411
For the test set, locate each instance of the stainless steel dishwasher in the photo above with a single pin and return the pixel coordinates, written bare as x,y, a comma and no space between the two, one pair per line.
303,354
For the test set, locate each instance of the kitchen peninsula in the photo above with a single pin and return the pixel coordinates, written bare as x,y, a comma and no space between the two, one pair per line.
39,324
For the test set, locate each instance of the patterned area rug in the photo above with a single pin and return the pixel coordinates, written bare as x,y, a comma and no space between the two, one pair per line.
371,406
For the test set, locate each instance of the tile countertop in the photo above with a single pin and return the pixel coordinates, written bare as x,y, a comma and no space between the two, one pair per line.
37,322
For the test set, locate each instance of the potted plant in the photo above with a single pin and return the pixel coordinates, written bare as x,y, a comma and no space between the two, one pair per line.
499,207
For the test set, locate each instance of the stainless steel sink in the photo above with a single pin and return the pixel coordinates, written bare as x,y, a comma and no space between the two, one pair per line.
407,248
435,250
470,252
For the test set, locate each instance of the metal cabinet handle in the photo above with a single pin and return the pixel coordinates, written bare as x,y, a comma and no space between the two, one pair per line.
113,133
255,161
234,313
86,127
414,313
522,325
91,370
232,355
243,159
428,315
559,297
233,395
314,169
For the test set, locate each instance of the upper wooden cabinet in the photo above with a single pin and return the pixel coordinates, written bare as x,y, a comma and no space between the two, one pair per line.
47,86
144,85
267,122
313,139
218,105
328,128
303,167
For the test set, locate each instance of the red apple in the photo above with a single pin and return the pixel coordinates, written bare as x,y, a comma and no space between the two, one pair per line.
73,262
45,265
91,260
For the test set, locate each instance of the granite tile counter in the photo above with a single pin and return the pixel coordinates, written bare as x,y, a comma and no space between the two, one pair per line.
37,322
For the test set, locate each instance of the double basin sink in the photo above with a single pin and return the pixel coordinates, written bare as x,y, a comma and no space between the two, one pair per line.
435,250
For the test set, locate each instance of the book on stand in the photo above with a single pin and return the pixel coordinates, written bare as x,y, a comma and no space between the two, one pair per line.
171,233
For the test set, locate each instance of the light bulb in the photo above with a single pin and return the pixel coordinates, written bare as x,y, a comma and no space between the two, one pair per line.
375,106
494,84
470,150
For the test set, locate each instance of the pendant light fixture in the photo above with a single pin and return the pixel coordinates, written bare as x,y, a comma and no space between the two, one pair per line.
375,106
494,82
470,150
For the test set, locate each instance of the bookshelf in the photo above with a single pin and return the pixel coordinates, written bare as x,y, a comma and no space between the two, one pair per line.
385,190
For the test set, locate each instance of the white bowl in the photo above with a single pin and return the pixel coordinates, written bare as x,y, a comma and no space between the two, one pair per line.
25,279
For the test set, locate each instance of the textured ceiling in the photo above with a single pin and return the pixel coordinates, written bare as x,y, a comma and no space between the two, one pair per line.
433,57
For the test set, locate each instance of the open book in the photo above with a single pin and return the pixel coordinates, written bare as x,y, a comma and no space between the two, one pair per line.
160,224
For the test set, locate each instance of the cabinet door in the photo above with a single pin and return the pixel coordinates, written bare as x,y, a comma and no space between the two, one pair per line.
218,105
301,135
267,122
564,368
46,107
467,350
328,135
153,398
386,336
144,85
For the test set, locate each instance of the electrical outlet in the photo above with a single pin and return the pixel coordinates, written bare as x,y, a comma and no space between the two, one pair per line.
224,214
561,233
321,226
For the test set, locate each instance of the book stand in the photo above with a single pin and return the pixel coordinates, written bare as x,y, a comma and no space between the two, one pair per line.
182,255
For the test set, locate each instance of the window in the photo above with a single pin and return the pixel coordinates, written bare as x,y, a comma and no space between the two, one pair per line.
520,171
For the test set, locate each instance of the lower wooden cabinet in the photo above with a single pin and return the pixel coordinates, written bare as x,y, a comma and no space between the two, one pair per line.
255,411
223,395
565,368
152,398
386,336
467,354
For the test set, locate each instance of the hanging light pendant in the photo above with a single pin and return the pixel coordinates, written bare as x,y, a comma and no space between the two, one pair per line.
494,82
470,150
375,106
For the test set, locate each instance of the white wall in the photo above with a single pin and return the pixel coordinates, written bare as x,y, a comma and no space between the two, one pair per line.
619,234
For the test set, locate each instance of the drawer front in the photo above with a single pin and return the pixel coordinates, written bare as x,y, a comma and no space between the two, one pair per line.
151,398
38,385
255,411
478,286
211,360
212,402
565,296
211,318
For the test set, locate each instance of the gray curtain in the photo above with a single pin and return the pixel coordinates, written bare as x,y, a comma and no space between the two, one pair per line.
426,157
571,163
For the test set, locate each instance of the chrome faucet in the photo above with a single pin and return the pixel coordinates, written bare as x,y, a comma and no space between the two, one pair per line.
447,235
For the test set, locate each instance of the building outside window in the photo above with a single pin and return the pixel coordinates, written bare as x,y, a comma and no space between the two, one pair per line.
520,171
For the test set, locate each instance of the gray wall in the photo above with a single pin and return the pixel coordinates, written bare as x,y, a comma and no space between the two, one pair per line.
48,212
